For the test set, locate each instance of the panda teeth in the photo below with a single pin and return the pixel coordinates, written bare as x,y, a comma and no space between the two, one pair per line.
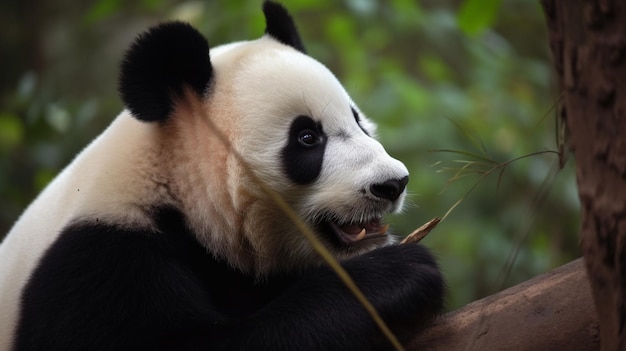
361,235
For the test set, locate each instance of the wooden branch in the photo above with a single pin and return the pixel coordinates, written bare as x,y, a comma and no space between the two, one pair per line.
553,311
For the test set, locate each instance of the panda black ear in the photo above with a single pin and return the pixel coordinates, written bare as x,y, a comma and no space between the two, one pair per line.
159,64
280,26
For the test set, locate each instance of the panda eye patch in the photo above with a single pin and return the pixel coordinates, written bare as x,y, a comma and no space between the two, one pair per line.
303,155
308,138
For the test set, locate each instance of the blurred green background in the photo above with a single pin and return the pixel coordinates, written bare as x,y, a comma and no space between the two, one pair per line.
468,75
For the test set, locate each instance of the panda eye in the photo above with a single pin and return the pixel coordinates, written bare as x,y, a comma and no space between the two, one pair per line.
308,138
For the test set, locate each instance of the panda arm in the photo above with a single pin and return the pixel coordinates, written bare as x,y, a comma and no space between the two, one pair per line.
318,312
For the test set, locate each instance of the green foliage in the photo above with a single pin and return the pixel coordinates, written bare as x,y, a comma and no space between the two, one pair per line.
101,10
476,16
414,67
11,131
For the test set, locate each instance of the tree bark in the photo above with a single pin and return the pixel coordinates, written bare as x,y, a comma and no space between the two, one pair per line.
588,43
553,311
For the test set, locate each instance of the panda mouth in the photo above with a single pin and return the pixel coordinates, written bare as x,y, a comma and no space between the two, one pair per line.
352,233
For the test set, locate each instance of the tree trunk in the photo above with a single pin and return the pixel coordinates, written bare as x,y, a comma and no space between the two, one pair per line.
588,42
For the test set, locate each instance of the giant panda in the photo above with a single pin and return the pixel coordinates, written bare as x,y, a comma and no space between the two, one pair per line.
161,234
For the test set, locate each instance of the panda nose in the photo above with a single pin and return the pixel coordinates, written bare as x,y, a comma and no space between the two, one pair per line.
390,189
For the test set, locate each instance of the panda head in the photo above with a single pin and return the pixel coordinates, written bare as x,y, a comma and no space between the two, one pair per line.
267,104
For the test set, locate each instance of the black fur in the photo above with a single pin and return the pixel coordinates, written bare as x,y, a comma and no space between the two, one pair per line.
102,287
280,26
303,163
159,64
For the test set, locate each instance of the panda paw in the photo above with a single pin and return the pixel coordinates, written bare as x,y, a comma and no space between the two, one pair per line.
403,282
